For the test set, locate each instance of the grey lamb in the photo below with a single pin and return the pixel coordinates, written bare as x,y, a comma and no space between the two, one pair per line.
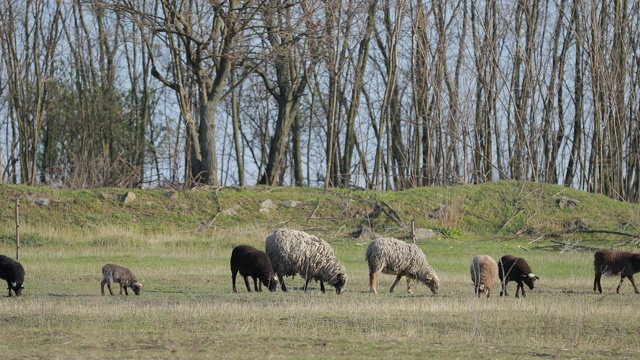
115,273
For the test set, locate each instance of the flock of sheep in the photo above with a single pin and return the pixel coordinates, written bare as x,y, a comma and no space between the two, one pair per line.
290,252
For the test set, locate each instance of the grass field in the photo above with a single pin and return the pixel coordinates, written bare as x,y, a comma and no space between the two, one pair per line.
187,308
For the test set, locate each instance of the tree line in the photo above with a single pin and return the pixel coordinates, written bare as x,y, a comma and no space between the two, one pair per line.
388,94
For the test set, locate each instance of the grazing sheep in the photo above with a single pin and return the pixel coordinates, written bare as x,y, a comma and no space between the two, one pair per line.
13,272
484,273
396,257
295,252
115,273
516,269
250,261
613,263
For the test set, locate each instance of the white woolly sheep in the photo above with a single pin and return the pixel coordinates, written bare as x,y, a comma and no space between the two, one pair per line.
250,261
614,263
115,273
396,257
516,269
295,252
484,273
13,272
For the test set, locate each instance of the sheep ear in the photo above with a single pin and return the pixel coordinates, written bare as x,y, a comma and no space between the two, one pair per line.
532,275
13,284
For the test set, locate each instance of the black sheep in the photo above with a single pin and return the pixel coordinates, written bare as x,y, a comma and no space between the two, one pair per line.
511,268
13,272
250,261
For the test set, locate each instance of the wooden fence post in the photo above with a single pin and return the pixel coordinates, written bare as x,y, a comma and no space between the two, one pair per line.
413,230
17,229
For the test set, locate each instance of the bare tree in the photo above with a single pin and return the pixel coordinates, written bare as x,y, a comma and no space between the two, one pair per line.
291,55
29,33
203,41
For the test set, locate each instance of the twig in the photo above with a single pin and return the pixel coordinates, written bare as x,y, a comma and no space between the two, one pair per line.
508,221
210,222
536,239
312,213
393,215
574,245
219,208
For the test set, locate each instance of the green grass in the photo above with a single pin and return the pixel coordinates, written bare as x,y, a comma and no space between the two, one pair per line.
187,309
503,209
179,247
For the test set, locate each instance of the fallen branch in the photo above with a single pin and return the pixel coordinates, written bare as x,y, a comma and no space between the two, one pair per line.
311,216
561,246
218,207
508,221
391,213
604,232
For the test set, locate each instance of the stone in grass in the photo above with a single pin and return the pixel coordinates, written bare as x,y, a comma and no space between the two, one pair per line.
290,203
128,197
268,204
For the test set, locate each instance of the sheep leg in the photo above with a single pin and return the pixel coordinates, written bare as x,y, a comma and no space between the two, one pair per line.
109,286
409,285
373,278
233,280
246,282
9,287
282,285
257,285
322,286
306,283
102,283
634,284
125,289
395,282
596,282
519,287
620,284
504,289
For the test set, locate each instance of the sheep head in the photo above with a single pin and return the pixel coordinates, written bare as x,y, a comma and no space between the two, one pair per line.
432,281
137,288
273,282
16,287
339,282
530,280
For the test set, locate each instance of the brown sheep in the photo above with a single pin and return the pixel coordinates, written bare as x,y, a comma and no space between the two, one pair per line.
614,263
250,261
484,273
115,273
516,269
